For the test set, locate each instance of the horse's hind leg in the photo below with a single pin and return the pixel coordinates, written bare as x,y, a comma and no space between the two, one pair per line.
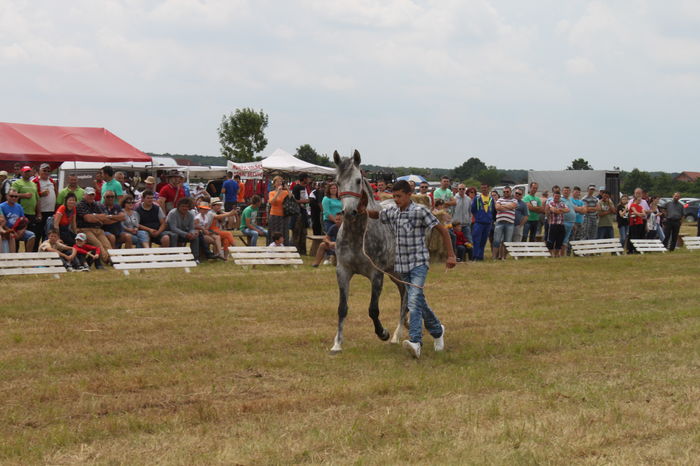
377,282
396,338
343,287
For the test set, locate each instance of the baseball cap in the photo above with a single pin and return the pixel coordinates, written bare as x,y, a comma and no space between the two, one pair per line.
81,237
26,168
591,186
44,165
89,190
204,205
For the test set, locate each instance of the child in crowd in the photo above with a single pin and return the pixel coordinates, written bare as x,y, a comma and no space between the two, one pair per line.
464,247
87,254
327,247
277,240
66,253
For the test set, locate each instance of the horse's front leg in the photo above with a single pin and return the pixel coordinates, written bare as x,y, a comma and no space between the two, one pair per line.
343,288
377,282
396,338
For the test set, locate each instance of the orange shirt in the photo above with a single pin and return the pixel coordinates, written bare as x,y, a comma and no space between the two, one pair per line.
276,206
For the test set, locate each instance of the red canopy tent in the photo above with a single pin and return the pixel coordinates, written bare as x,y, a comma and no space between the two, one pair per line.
56,144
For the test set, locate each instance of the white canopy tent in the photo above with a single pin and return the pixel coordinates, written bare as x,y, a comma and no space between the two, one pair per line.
280,161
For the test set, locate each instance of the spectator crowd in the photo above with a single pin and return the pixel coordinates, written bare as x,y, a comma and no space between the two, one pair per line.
83,224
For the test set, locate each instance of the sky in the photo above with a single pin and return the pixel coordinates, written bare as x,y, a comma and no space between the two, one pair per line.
427,83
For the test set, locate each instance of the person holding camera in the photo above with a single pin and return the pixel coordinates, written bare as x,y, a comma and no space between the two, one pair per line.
277,220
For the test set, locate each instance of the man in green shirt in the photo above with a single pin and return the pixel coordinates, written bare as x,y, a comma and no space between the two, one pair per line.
534,207
71,188
110,184
445,193
248,219
28,199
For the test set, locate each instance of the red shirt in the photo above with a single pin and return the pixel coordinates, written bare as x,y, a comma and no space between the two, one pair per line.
98,190
65,218
171,194
86,248
634,220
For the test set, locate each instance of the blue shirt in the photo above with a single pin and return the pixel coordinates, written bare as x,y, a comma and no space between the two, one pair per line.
331,206
520,212
570,216
12,213
578,203
231,194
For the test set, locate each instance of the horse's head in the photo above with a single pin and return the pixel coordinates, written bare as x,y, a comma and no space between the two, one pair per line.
351,185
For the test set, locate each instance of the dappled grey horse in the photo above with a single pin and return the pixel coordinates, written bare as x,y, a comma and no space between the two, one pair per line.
354,191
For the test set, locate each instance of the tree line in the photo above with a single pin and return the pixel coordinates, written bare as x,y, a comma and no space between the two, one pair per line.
242,136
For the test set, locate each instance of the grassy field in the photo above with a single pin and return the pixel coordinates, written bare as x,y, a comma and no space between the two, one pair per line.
579,360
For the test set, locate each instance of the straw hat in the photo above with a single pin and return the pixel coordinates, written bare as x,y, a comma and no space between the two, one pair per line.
215,200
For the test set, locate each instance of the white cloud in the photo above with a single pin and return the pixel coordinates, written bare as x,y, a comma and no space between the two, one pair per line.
580,65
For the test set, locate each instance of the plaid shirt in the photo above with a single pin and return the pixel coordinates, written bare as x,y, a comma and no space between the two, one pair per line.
410,229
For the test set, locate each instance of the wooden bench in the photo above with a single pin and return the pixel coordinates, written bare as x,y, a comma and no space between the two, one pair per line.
692,243
316,241
527,250
596,246
648,245
245,239
152,258
29,263
265,255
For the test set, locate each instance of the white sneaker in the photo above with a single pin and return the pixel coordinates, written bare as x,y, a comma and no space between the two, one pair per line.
412,348
439,343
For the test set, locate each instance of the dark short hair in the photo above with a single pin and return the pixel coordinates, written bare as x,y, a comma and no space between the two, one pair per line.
576,188
255,199
147,192
303,176
237,177
506,187
566,187
107,170
445,177
229,174
183,201
402,185
276,235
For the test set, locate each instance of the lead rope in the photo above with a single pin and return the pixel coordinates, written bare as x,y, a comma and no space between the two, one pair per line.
364,235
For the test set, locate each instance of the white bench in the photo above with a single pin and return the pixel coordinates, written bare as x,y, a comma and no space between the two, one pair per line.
29,263
152,258
648,245
527,250
692,243
596,246
265,255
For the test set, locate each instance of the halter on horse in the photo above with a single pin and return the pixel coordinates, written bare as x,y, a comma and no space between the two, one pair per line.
360,237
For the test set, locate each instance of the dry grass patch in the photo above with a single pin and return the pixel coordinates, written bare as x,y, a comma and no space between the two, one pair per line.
579,360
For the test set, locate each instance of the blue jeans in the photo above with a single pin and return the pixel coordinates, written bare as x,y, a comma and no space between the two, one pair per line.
418,309
605,233
568,227
327,224
503,232
624,232
140,238
253,235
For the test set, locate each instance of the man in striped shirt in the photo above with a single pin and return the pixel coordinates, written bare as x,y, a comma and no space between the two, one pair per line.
505,223
555,210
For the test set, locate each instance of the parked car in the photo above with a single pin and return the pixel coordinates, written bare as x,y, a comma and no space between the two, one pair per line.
690,211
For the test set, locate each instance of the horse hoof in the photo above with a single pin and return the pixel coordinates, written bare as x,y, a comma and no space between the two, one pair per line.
334,352
395,340
385,335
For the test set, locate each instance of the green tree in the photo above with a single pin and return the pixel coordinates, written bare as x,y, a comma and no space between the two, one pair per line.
469,169
491,176
242,134
664,185
637,179
308,154
579,164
